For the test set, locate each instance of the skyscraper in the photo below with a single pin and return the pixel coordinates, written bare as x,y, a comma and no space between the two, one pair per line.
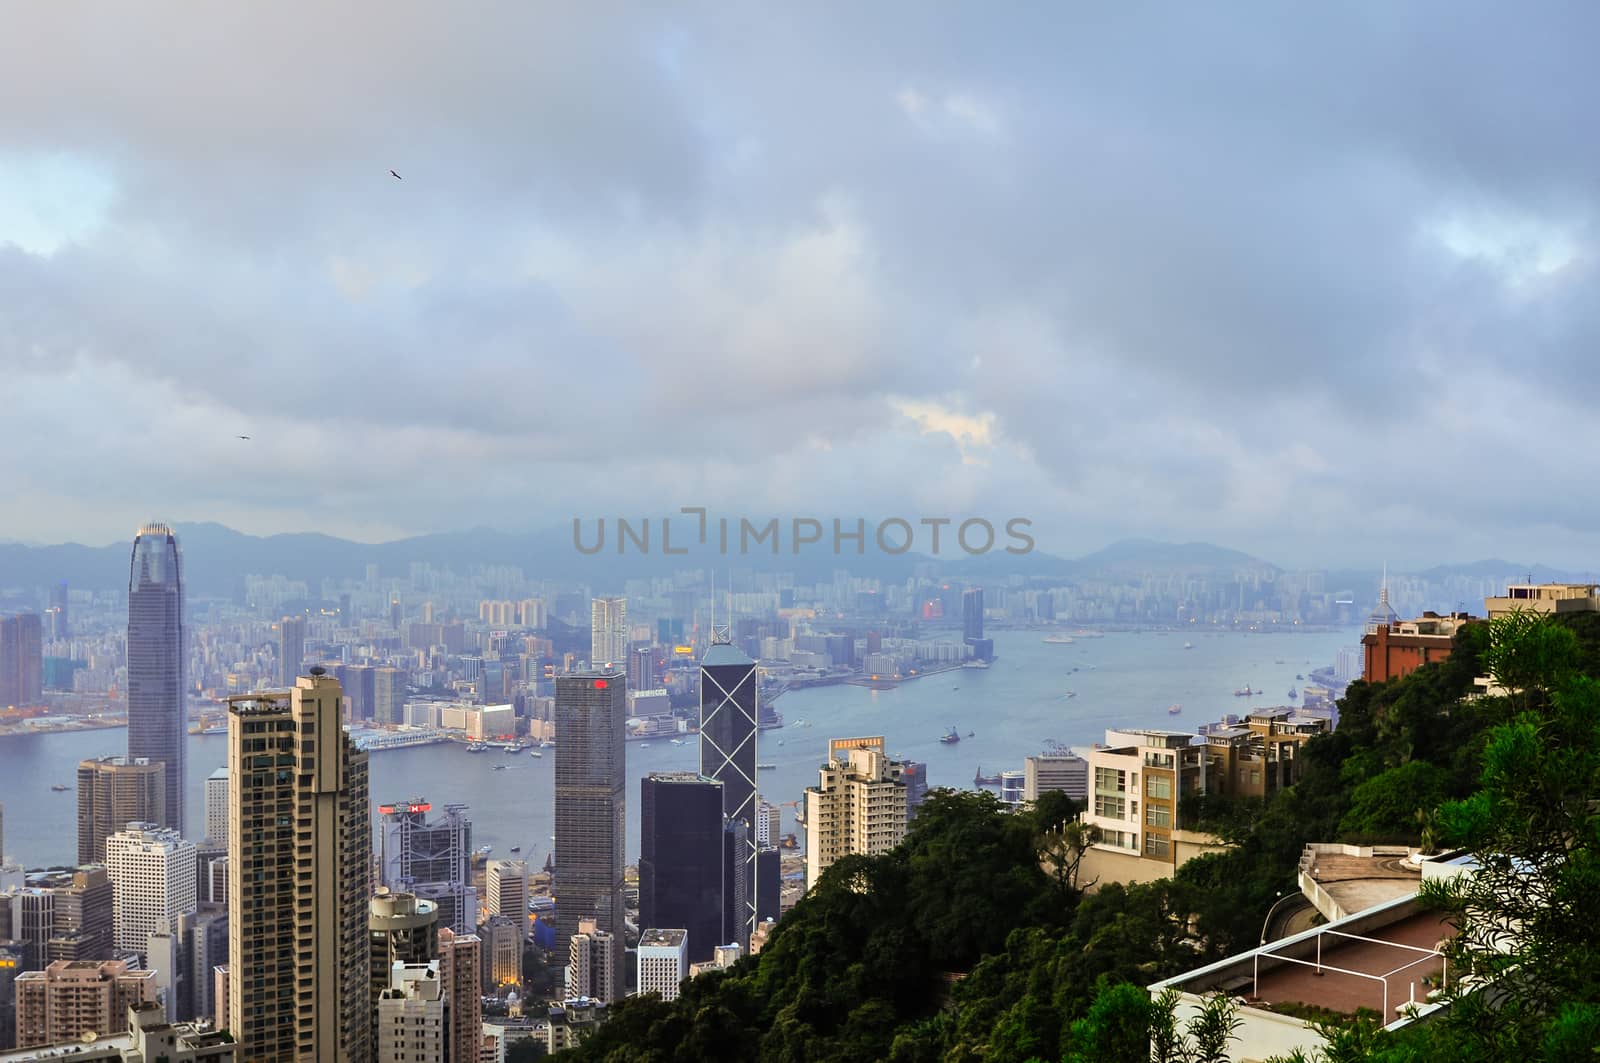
21,660
972,614
591,714
459,973
412,1015
291,648
152,873
112,793
217,806
608,632
506,889
60,628
431,860
857,806
156,654
592,959
299,865
680,858
729,709
403,929
388,696
641,669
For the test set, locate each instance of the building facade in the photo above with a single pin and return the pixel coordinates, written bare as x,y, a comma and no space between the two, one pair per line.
1389,651
217,806
608,633
291,648
730,711
681,858
857,807
592,964
590,816
432,859
112,793
71,998
1047,772
157,655
413,1021
506,889
663,962
404,929
459,964
153,881
21,660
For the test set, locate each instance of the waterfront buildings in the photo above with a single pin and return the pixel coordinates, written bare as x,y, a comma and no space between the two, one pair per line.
112,793
388,697
217,806
430,859
608,633
21,660
663,962
729,713
403,929
857,807
299,860
71,998
681,858
157,686
506,886
592,969
591,717
1066,772
152,873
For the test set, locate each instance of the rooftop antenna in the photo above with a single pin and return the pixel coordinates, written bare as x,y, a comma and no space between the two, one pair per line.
719,635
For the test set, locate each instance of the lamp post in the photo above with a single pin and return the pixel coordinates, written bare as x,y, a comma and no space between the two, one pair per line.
1282,896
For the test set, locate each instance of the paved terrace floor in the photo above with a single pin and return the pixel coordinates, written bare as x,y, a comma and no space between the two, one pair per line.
1293,982
1357,883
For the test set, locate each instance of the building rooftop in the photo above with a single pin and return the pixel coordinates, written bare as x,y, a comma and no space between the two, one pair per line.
663,938
722,653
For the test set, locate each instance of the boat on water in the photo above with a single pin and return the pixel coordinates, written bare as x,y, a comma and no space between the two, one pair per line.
1070,694
547,744
498,767
950,737
1058,640
485,850
975,664
679,742
1300,677
516,848
765,767
1245,692
980,779
535,753
1293,693
477,747
972,734
1188,645
644,745
1174,709
60,788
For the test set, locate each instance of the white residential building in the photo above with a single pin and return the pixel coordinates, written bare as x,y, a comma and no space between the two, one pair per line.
413,1015
217,805
507,883
153,881
857,807
608,632
591,969
663,962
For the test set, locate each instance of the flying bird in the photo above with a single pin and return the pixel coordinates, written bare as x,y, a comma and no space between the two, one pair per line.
244,437
396,176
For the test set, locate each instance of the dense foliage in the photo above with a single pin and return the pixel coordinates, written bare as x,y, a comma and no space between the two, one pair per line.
971,942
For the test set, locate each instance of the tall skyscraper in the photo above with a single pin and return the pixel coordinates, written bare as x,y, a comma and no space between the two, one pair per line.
729,709
972,614
681,858
217,806
641,669
299,867
359,683
291,648
591,714
403,929
663,962
152,873
506,889
157,687
857,807
459,964
60,626
388,696
592,958
608,633
112,793
432,860
21,660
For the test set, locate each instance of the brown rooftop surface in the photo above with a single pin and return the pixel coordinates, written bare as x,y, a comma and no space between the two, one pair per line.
1357,883
1301,984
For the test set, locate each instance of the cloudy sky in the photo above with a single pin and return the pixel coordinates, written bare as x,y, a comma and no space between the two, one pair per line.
1318,284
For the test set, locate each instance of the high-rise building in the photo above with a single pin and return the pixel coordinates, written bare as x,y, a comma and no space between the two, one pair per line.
769,824
681,858
663,962
72,998
60,626
112,793
21,660
404,929
299,866
432,860
217,806
506,889
458,972
141,1033
914,773
1066,772
157,687
641,668
738,883
501,953
592,958
769,884
857,807
388,696
412,1015
291,648
63,915
152,873
972,614
359,683
591,715
729,711
608,633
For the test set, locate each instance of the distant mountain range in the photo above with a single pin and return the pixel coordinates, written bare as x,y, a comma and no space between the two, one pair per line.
217,558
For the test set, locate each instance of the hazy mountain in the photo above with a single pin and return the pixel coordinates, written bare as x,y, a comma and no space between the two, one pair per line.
1150,553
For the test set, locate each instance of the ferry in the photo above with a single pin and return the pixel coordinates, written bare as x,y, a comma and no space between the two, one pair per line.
974,664
1070,694
485,850
547,744
477,747
950,737
535,753
670,742
60,788
644,745
1058,640
980,779
498,767
516,848
1245,692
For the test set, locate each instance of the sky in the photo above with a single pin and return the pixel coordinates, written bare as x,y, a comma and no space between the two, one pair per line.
1313,282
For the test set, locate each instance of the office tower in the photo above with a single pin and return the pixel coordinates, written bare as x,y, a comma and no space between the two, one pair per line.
204,938
388,697
738,884
972,614
431,860
506,884
412,1015
157,687
641,668
397,615
729,709
663,962
112,793
291,648
152,873
63,915
608,633
71,998
1066,772
769,884
217,806
299,865
60,627
592,969
769,824
21,660
681,858
501,953
914,773
857,806
591,714
404,929
458,971
359,683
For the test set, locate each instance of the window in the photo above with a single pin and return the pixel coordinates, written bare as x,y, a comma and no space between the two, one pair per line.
1156,846
1158,786
1255,778
1109,780
1157,817
1110,807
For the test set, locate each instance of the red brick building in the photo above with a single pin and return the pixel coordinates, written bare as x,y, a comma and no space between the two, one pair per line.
1399,648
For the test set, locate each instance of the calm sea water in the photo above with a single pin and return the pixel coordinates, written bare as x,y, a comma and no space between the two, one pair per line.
1010,711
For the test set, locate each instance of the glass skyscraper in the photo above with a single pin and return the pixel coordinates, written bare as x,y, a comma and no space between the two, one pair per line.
681,859
591,717
156,686
728,715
